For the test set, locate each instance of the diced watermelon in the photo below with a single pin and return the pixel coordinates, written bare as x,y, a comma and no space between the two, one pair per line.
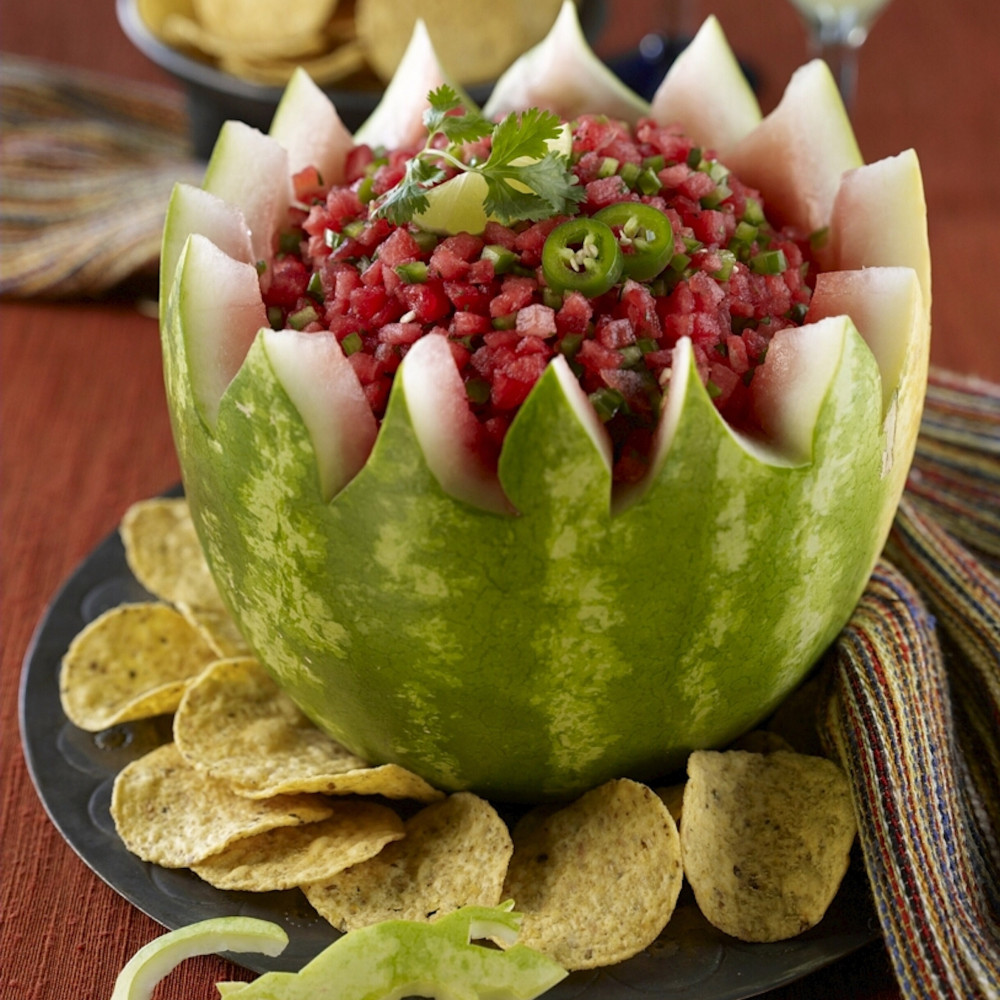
505,327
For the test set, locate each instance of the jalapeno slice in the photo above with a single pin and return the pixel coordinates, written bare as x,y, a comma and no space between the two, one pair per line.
582,255
645,235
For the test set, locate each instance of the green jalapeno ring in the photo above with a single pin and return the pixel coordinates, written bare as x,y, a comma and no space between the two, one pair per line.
645,233
582,255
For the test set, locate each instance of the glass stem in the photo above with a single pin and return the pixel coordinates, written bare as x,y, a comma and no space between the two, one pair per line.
837,42
842,58
680,20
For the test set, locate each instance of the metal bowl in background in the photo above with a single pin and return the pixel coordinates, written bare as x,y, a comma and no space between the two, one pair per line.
214,96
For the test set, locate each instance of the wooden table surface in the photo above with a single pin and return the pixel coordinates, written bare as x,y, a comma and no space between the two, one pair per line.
85,430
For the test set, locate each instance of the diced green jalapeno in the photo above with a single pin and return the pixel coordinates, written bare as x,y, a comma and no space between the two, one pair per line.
609,167
352,343
644,234
753,212
582,255
424,239
506,322
630,173
768,262
607,402
728,259
301,318
502,258
413,272
315,287
648,181
289,242
478,390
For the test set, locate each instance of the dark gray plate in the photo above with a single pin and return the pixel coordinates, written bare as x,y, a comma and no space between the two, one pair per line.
73,772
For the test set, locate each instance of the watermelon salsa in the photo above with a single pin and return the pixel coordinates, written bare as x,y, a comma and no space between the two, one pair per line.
698,259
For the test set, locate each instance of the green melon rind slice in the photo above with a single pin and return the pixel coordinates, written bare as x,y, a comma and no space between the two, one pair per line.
562,74
325,143
798,153
879,218
154,961
886,304
398,958
321,383
445,427
706,92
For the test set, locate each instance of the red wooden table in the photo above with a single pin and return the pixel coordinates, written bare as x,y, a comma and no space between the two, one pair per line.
85,430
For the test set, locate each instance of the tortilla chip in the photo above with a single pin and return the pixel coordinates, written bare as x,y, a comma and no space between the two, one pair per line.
236,724
132,662
167,812
474,39
598,879
180,31
290,856
263,20
155,12
164,554
324,69
388,780
766,840
217,628
454,854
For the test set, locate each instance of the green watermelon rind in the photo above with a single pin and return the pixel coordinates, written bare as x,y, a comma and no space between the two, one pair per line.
591,634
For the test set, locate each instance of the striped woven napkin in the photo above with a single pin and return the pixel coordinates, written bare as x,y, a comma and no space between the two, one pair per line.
914,709
913,705
86,167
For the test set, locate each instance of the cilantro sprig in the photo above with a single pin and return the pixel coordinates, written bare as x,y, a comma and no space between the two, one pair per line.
525,179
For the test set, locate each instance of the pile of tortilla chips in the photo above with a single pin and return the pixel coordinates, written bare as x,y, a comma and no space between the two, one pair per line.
251,796
337,40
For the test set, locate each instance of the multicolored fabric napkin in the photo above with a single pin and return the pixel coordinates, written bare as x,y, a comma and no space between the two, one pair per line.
86,168
914,710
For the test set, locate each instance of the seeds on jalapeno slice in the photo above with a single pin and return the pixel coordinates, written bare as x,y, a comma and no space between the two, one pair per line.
582,255
644,234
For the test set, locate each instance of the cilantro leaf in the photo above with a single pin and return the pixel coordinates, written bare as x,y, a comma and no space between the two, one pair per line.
552,190
525,179
523,135
458,129
407,199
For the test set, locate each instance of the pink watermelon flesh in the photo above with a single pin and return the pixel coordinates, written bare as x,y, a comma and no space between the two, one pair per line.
352,276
